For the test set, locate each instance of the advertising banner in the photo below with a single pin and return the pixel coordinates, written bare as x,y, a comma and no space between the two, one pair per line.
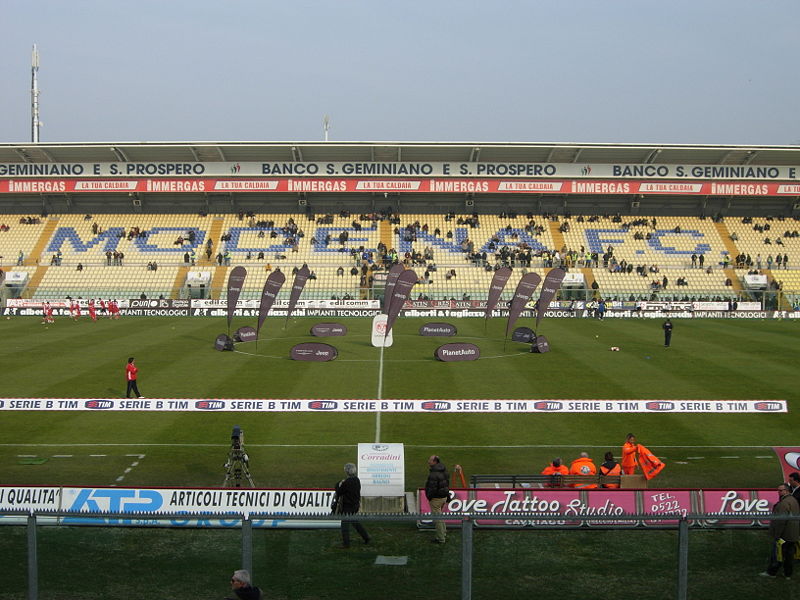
203,507
603,503
402,288
272,286
253,175
381,468
398,405
499,280
789,458
391,280
235,284
299,284
525,288
551,285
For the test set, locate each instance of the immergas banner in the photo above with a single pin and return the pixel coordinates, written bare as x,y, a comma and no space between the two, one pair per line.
399,405
525,288
381,468
499,280
496,507
235,284
203,507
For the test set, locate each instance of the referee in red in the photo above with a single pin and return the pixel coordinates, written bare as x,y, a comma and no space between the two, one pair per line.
131,372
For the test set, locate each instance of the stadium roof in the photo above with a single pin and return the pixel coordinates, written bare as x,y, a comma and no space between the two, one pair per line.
533,152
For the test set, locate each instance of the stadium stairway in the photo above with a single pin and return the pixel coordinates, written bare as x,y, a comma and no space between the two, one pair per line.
558,237
180,280
35,254
736,283
218,281
725,236
588,278
214,234
386,233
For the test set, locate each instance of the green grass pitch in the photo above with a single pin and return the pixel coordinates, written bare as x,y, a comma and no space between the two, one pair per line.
708,360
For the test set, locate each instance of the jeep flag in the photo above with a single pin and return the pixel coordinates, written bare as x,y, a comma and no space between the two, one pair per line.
496,288
297,288
551,285
391,280
525,288
400,292
272,286
235,284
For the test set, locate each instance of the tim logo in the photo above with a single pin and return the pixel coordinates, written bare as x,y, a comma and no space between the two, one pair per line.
323,405
99,404
660,406
768,406
209,404
435,405
547,405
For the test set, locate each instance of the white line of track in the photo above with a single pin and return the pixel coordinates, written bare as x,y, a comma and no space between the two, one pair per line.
379,397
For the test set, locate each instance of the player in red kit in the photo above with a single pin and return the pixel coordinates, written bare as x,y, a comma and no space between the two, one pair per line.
131,373
92,311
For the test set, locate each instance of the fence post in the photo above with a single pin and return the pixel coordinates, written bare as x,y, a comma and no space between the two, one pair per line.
466,559
683,559
247,545
33,559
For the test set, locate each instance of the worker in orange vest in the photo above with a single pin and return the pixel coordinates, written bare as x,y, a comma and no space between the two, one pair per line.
555,469
583,466
610,468
629,452
651,465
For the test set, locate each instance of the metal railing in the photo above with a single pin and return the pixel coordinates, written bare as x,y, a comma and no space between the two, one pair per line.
466,524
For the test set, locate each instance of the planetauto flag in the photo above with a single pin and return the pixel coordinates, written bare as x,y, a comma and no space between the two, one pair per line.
235,284
496,288
297,288
551,285
400,293
525,288
272,286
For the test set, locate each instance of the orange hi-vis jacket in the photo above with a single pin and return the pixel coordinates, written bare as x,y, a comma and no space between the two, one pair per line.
629,452
551,470
649,462
583,466
614,471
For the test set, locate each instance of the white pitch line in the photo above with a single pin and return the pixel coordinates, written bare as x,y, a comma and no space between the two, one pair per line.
62,455
26,455
729,457
98,455
380,397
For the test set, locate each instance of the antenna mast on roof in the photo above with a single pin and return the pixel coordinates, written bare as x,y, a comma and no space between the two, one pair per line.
326,125
35,123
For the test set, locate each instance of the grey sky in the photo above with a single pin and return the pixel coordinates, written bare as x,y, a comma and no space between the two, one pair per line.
683,71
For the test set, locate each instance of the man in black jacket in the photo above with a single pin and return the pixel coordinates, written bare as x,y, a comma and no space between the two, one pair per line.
437,489
348,502
242,588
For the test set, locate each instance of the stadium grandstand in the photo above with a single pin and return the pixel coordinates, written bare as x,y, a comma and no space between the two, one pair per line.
628,222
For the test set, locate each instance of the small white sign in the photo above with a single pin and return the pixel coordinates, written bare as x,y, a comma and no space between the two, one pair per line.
381,469
379,337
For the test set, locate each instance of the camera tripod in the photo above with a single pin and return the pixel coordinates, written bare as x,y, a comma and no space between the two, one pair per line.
237,465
